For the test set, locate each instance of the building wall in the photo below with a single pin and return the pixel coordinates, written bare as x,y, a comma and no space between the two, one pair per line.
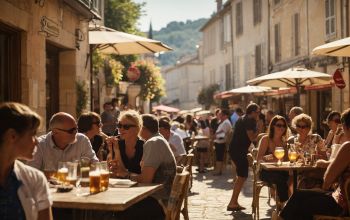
26,16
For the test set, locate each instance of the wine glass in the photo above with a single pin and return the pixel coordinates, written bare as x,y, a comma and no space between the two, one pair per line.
292,155
279,154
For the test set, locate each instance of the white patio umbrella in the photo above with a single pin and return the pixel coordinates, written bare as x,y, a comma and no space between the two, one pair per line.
110,41
338,48
293,77
242,90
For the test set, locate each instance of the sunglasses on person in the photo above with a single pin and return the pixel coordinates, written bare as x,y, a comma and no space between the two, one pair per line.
69,131
280,125
126,126
302,126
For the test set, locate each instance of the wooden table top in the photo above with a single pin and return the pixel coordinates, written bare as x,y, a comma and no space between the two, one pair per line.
114,199
287,166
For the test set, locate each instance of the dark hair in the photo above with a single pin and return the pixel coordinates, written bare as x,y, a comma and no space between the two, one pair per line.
274,120
226,112
252,107
332,114
345,118
164,123
180,119
239,111
151,123
203,124
86,120
18,117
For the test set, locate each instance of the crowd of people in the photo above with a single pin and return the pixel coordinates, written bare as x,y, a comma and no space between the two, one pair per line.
147,148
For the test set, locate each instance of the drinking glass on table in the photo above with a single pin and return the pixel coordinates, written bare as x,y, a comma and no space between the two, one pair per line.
62,172
104,175
95,178
279,154
292,155
72,176
84,171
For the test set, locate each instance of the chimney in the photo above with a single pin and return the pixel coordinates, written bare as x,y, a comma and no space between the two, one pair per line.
218,5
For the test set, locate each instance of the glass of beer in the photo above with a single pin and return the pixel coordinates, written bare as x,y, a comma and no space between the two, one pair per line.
292,155
95,178
84,171
72,173
104,175
62,172
279,154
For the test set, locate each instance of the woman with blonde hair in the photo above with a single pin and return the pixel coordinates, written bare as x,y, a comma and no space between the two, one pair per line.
276,137
126,150
24,192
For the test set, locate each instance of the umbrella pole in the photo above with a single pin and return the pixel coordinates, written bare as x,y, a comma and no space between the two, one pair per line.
297,96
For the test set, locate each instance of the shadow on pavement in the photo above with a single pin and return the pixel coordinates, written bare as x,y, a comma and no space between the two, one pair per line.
242,216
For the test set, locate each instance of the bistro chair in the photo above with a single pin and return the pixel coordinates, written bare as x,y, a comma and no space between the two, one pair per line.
257,186
347,194
228,139
179,191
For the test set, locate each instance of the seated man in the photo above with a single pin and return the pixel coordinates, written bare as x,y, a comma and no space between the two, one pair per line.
175,141
62,143
158,166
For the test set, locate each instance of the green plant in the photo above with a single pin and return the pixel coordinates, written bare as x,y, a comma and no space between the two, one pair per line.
206,95
113,72
82,97
151,81
97,61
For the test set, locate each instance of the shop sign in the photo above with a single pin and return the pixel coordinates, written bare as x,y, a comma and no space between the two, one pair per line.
338,79
49,27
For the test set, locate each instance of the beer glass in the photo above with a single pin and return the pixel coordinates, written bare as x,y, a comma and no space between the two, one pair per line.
84,171
95,178
72,173
62,172
279,154
292,155
104,175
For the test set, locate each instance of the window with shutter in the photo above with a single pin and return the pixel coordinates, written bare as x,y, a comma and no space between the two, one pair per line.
257,10
277,43
239,19
258,60
330,18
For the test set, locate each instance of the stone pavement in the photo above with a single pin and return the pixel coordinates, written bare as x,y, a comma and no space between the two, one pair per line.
210,195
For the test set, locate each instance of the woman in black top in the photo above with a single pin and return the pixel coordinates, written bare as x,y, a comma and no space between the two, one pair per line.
126,150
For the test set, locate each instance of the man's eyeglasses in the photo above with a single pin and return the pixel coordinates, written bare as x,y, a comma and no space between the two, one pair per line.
126,126
69,131
302,126
280,125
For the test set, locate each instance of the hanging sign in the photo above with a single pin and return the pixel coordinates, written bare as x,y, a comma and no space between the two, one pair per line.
338,79
133,73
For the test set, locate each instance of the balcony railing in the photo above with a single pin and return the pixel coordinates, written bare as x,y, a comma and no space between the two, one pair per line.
86,7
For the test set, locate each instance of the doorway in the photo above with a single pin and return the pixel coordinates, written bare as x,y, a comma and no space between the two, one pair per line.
52,81
10,59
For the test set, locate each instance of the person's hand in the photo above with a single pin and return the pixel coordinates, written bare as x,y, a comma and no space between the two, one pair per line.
322,163
116,169
110,142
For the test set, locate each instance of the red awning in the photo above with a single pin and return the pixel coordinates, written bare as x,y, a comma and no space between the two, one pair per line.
165,108
319,87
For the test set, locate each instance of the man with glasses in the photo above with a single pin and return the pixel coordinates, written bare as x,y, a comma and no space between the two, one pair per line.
62,143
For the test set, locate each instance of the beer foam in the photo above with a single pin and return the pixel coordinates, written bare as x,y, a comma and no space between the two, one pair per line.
63,170
94,173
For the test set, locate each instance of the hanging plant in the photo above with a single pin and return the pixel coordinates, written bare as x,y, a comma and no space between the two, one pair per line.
113,72
151,81
97,61
82,97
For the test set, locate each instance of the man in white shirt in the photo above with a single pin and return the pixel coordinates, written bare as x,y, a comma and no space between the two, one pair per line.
220,139
175,141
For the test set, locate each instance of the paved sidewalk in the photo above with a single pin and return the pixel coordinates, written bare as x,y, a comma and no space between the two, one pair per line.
210,195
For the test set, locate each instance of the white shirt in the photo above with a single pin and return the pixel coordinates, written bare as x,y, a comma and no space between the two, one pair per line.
34,193
176,141
222,131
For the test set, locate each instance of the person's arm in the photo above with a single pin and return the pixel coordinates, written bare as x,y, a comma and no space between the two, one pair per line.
252,135
263,145
321,147
37,161
146,176
45,214
337,166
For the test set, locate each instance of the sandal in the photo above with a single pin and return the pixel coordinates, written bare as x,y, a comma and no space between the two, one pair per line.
235,209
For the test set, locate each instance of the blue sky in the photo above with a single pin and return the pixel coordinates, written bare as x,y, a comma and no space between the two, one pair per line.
161,12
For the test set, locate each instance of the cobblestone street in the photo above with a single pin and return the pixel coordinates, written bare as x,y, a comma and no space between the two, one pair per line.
210,195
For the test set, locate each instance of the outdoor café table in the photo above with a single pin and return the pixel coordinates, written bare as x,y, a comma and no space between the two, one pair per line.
114,199
287,167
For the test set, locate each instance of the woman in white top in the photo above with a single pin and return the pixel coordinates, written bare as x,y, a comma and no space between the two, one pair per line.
24,192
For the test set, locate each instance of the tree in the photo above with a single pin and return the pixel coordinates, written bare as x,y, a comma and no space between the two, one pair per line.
206,95
122,15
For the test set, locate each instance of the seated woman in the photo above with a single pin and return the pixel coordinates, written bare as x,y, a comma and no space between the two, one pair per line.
306,203
125,152
333,122
90,124
276,137
24,191
307,145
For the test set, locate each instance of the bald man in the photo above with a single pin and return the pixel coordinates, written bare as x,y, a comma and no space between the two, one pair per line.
62,143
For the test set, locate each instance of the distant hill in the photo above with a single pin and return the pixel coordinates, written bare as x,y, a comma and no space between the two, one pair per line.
182,37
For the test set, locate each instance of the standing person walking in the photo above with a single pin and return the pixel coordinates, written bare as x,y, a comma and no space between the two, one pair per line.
244,133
